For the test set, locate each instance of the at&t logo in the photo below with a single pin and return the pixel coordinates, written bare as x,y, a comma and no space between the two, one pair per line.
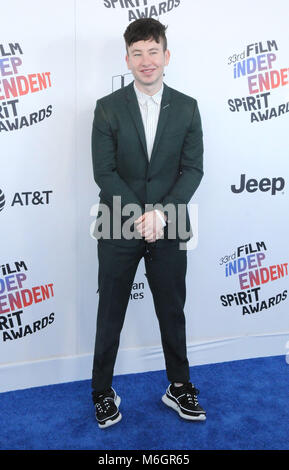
2,200
27,198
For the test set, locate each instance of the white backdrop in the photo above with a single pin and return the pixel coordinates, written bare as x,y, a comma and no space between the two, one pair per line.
83,50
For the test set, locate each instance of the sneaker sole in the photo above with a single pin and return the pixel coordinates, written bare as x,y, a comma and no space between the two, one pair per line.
111,422
167,401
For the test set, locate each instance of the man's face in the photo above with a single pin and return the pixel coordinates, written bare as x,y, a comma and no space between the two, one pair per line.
147,60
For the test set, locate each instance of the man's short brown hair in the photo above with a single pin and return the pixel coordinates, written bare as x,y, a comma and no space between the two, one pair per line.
144,29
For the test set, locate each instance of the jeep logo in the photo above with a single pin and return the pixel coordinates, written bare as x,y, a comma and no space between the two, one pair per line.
265,184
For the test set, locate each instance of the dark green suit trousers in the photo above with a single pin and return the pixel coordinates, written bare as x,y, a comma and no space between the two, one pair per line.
165,266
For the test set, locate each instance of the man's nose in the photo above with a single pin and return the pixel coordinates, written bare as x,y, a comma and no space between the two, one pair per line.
146,60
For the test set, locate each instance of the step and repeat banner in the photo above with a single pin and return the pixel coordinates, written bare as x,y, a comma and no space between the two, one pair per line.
37,191
235,63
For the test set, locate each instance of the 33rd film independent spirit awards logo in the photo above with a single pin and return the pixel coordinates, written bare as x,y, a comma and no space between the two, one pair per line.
257,67
15,300
142,8
14,86
247,265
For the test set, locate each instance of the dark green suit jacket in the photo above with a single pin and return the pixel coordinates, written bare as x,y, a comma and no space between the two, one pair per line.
121,166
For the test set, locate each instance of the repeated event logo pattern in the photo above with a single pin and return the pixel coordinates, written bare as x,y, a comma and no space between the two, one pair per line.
142,8
15,85
257,67
15,300
247,265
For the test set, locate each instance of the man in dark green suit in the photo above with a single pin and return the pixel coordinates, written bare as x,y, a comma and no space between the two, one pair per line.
147,151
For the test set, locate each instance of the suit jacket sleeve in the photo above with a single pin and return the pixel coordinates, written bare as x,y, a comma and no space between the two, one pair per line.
104,161
191,164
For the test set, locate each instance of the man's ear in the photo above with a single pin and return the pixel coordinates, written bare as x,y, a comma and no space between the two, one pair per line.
167,56
127,61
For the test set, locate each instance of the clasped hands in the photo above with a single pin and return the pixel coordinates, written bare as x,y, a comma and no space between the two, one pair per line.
150,226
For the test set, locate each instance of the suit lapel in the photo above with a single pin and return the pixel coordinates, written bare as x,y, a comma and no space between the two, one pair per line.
163,117
135,113
134,110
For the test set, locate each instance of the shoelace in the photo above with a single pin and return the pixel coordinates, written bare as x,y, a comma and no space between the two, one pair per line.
191,394
192,398
103,404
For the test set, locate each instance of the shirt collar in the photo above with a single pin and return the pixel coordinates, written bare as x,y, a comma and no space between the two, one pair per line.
143,97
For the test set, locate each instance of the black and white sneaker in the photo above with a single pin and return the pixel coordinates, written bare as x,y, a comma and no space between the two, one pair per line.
184,400
106,408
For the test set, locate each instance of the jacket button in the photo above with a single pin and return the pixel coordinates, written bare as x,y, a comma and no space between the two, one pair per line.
148,180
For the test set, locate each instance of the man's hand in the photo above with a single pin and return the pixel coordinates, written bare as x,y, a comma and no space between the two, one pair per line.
150,226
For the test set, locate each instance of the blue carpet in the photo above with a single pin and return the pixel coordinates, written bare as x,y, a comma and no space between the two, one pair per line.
247,405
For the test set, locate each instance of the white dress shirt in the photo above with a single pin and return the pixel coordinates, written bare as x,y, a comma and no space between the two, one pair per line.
150,109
